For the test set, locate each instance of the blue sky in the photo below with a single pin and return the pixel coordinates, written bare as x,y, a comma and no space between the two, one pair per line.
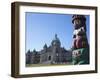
42,27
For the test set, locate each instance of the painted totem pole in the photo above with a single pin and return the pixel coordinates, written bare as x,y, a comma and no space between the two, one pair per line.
80,53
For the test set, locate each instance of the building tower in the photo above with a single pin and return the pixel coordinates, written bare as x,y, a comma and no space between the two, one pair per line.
80,54
56,42
56,45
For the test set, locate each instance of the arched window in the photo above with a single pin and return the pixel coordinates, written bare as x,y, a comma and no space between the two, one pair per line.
49,58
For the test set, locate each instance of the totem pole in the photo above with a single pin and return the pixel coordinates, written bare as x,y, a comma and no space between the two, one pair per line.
80,53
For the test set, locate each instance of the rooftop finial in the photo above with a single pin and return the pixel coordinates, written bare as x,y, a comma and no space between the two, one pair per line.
56,36
34,50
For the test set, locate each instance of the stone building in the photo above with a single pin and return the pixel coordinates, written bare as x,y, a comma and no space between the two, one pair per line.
32,57
53,54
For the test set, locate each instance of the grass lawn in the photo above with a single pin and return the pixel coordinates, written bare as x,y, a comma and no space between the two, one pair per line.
40,65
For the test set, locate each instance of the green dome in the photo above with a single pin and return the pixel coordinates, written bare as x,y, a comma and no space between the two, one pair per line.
56,41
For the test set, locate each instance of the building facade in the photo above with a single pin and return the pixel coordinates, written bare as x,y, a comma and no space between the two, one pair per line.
53,54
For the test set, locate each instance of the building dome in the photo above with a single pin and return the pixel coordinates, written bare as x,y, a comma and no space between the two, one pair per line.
56,41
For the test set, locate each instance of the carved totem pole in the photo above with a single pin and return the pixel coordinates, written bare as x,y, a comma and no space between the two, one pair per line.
80,53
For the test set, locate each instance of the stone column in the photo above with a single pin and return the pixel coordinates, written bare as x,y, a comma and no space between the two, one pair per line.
80,53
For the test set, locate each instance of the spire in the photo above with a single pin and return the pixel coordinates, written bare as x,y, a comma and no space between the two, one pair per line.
28,51
55,36
45,46
34,51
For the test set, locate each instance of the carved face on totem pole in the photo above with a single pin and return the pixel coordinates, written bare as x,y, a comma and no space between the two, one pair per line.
79,21
79,34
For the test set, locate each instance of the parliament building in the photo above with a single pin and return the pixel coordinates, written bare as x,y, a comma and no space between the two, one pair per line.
53,54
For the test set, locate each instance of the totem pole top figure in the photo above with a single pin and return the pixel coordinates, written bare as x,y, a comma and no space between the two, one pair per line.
79,21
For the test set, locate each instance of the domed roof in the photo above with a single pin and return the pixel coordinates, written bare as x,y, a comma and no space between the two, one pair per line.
56,41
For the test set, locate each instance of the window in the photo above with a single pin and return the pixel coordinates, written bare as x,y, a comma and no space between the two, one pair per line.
49,58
